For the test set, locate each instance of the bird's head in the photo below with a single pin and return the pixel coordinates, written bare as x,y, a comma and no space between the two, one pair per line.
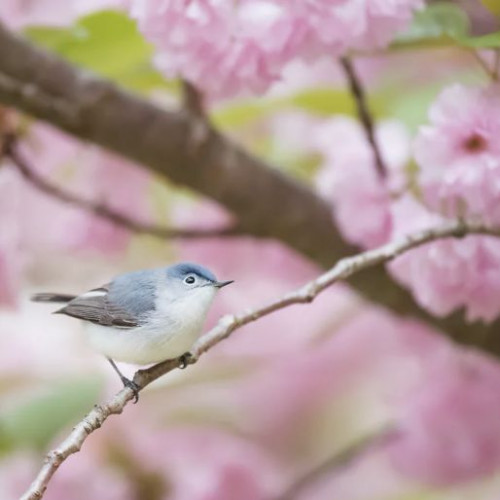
191,282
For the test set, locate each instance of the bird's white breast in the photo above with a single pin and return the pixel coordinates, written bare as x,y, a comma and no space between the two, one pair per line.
169,331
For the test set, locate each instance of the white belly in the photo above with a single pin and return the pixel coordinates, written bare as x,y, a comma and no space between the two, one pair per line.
171,331
142,345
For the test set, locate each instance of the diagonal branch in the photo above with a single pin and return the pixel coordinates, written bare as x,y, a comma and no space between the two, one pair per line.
364,113
188,151
228,324
9,150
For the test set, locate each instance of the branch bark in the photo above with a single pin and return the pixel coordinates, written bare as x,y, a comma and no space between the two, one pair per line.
178,145
227,325
184,148
364,114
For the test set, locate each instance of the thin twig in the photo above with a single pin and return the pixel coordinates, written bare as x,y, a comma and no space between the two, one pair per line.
338,462
364,113
496,65
228,324
10,150
192,99
193,106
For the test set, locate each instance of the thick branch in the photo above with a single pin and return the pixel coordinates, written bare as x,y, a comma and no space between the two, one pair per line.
9,150
184,148
178,145
227,325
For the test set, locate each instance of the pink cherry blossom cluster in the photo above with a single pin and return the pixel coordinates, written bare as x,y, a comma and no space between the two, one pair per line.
459,153
227,47
458,158
448,274
348,177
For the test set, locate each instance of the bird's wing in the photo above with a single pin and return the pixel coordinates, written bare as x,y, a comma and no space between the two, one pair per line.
98,307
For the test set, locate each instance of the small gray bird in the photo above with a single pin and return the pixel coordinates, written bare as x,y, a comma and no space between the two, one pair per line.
144,317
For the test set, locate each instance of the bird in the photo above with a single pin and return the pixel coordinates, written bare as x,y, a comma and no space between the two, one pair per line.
143,317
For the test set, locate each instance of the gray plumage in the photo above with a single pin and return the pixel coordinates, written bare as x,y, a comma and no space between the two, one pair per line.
145,316
123,303
136,292
128,300
99,310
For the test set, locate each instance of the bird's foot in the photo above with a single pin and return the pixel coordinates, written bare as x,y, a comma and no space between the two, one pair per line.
185,360
133,386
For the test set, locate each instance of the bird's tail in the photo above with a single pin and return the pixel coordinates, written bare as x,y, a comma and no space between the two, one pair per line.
52,297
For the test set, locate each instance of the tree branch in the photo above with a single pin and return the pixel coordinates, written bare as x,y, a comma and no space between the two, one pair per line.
9,150
188,151
365,116
228,324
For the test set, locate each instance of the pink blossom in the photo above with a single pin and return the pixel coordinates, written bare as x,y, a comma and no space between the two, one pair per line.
447,274
383,19
227,47
221,46
449,430
342,24
348,178
459,153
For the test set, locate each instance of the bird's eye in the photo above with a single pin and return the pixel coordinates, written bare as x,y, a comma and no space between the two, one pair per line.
190,280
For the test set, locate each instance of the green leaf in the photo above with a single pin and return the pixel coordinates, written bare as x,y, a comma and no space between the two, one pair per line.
320,101
443,24
107,43
440,23
333,101
34,423
240,113
489,41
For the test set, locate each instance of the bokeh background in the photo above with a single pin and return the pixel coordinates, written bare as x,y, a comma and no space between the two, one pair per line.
338,399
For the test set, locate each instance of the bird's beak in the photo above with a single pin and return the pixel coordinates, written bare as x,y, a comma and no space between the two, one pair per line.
220,284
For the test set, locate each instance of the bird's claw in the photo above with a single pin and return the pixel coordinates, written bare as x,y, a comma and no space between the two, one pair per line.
185,360
133,386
